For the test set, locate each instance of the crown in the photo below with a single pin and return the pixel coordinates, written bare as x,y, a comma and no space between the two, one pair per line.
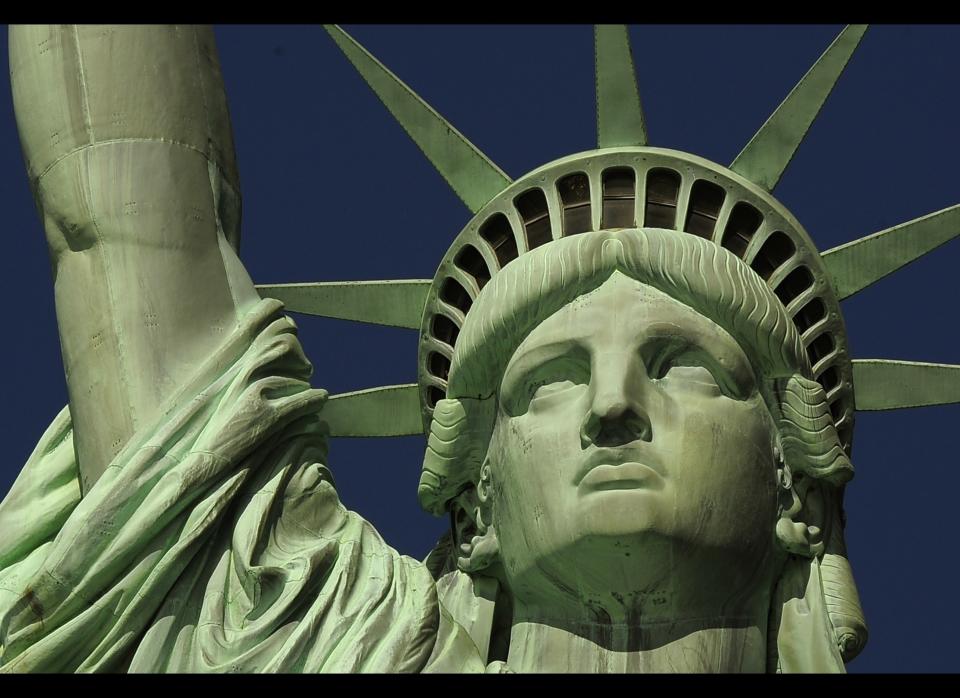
625,183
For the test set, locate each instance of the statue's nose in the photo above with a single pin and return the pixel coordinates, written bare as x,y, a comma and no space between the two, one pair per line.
617,415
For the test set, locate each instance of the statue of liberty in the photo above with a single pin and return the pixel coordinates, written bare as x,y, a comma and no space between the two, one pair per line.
632,372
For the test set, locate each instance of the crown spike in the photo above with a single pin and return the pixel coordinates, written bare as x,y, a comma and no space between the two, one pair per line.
768,153
470,173
885,384
620,118
390,410
393,303
859,263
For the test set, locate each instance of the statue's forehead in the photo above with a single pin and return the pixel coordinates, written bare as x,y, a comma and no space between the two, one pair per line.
623,306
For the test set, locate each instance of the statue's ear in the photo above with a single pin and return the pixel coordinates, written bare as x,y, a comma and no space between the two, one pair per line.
474,537
463,517
801,514
810,526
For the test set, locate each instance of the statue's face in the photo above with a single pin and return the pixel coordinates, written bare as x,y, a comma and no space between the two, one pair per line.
632,455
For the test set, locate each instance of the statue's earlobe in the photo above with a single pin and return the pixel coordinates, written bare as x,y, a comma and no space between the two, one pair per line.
477,544
799,525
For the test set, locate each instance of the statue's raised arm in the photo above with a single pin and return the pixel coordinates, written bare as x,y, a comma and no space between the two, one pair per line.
209,536
130,157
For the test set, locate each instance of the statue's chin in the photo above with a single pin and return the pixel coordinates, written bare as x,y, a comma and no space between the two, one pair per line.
626,566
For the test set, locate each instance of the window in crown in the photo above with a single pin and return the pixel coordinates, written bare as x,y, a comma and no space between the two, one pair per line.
532,207
776,250
797,281
809,315
445,329
829,379
619,196
456,295
743,223
706,198
438,364
836,409
471,261
820,347
663,188
434,395
574,192
497,232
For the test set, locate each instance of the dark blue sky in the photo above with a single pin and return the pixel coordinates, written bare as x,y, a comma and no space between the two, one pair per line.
333,189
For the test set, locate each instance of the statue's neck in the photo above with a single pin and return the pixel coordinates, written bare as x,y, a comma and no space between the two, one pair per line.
727,645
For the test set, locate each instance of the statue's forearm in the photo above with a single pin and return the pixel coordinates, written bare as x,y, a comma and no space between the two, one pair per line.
130,155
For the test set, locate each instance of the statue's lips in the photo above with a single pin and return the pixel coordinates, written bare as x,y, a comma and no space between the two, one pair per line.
623,476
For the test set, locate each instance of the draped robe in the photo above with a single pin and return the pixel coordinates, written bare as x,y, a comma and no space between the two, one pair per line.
214,541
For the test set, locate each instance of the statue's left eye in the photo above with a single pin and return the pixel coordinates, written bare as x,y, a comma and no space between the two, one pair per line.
676,360
685,363
690,373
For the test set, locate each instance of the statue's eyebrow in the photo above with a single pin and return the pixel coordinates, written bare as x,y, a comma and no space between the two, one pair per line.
527,360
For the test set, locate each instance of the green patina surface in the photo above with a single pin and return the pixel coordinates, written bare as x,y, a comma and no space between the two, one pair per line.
642,457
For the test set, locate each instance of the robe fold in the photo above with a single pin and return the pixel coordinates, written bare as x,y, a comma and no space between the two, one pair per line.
215,541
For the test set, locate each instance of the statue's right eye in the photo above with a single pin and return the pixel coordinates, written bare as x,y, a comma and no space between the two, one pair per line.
550,379
543,390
